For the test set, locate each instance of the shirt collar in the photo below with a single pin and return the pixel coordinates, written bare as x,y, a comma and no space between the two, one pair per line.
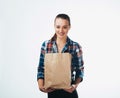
65,47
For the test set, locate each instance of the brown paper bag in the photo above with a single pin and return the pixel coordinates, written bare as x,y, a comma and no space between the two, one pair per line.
57,70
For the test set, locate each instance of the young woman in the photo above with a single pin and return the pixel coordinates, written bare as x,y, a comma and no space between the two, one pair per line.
60,42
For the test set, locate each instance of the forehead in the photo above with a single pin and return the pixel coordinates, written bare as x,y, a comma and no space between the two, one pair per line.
60,21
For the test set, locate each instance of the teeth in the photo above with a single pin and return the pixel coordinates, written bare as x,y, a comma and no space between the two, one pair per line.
61,34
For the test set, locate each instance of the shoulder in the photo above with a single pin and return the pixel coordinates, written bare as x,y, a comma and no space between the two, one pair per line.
75,44
46,42
76,47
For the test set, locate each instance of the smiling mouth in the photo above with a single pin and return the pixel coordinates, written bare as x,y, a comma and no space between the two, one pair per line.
61,34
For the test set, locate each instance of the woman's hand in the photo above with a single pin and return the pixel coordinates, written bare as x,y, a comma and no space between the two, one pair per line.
41,86
46,90
74,86
71,89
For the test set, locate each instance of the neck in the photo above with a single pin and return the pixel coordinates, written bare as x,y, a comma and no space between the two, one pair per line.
61,41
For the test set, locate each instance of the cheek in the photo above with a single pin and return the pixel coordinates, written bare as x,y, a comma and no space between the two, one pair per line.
56,30
66,30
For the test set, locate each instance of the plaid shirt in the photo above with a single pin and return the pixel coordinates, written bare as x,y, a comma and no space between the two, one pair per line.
72,47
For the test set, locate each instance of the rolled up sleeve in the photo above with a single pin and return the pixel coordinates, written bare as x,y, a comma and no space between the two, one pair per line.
79,62
40,71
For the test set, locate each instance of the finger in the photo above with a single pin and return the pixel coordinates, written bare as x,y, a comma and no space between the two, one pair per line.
69,90
49,90
43,90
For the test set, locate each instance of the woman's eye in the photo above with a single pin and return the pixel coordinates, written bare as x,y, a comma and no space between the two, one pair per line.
58,27
65,27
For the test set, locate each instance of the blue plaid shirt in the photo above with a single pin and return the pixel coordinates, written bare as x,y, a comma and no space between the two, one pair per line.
72,47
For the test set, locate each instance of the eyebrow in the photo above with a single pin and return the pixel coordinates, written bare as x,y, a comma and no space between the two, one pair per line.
63,25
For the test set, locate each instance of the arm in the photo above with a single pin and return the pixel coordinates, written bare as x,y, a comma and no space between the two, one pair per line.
78,61
80,67
40,71
77,82
40,74
41,84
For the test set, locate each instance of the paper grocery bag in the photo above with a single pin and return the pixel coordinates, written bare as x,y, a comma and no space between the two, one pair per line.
57,70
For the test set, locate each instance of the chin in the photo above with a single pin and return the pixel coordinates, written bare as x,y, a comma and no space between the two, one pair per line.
61,37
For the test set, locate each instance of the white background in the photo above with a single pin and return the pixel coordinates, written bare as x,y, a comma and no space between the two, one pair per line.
25,24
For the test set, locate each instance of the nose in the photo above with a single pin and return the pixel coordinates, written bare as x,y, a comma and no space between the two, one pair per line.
61,29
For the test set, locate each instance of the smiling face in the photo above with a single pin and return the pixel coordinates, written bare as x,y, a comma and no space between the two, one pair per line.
62,27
